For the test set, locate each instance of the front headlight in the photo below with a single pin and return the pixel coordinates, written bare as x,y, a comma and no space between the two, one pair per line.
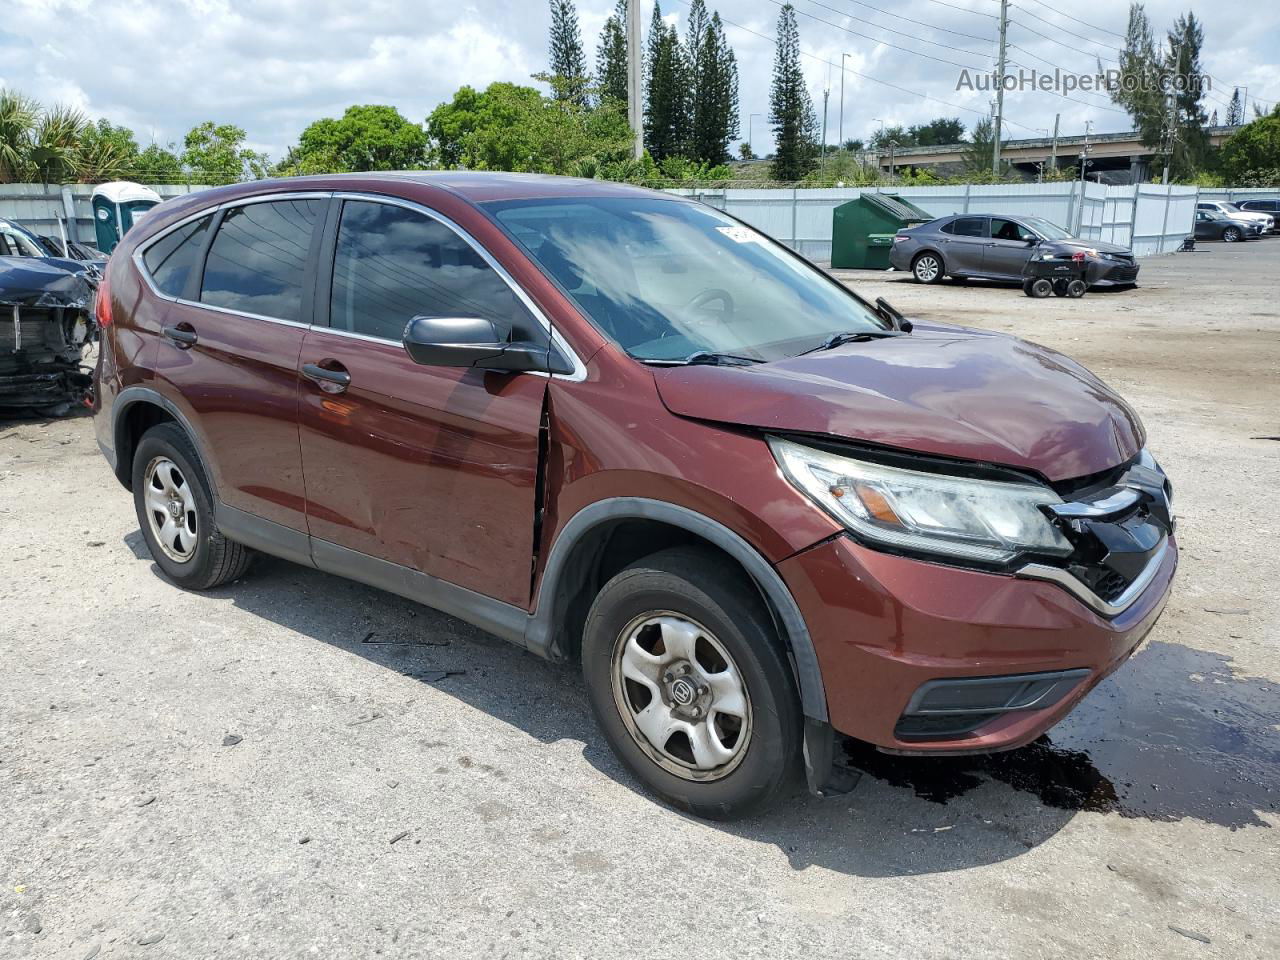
984,520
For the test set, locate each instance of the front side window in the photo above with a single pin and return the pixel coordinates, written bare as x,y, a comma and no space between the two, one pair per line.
171,259
392,264
259,257
666,279
1002,229
967,227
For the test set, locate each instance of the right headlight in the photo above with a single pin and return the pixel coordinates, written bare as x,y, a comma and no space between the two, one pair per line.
988,521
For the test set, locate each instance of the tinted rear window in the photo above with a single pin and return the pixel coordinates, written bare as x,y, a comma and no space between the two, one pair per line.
171,259
967,227
259,256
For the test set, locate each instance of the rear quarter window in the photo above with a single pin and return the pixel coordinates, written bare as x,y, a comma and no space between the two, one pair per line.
171,259
258,258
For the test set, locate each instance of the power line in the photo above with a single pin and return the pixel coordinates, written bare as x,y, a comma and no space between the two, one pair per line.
864,76
886,43
976,13
1086,23
931,26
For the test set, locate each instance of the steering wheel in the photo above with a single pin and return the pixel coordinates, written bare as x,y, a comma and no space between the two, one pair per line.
709,296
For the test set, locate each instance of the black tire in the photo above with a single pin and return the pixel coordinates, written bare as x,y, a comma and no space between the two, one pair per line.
215,560
1076,289
923,272
1041,287
1059,288
700,585
1231,235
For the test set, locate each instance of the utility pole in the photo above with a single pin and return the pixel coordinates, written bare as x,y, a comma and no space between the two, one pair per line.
1084,152
1053,150
1171,132
892,144
1000,65
635,106
842,59
822,162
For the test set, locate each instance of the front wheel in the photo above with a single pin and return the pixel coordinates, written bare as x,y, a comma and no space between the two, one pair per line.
688,680
927,268
1230,235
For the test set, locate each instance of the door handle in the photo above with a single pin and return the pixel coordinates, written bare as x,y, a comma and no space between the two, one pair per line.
182,335
329,380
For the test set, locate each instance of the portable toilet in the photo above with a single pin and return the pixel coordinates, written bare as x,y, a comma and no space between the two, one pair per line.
862,230
117,206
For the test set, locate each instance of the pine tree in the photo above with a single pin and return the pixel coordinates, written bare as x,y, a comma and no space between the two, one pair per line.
666,107
1235,110
611,57
795,125
1138,89
1191,143
568,62
714,120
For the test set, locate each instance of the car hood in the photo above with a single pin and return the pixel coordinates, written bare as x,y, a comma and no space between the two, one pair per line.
942,390
1102,246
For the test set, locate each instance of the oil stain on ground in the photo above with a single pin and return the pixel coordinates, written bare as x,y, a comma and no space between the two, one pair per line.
1172,734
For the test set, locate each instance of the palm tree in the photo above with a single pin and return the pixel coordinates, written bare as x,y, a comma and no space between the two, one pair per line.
55,144
18,116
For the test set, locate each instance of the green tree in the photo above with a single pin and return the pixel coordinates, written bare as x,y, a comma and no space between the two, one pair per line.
18,114
568,62
215,153
979,155
937,132
1251,155
1235,109
366,137
714,120
898,134
54,154
795,125
105,152
158,164
666,107
611,57
1190,143
1138,88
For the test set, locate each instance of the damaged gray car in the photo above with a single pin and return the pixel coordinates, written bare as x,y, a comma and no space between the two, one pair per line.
46,324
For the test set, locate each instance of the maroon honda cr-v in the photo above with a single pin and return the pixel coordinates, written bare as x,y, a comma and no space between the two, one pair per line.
619,427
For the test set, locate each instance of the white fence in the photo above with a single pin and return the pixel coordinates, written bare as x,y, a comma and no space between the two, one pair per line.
1149,218
39,208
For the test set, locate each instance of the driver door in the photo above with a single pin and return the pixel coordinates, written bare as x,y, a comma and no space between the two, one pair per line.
430,468
1008,249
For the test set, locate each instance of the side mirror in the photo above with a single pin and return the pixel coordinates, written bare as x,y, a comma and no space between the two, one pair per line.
474,342
1032,241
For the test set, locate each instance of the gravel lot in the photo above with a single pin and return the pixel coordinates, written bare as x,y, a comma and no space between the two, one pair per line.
297,766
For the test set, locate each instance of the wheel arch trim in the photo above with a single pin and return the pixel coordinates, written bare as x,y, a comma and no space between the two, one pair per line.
129,397
540,629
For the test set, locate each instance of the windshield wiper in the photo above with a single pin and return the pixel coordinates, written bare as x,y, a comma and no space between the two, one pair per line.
718,359
851,336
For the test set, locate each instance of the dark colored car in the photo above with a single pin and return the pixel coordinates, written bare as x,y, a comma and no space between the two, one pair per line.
1268,205
1212,225
998,248
621,428
1262,220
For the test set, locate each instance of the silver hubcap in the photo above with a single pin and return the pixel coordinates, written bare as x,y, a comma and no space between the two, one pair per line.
171,509
681,696
1230,236
926,269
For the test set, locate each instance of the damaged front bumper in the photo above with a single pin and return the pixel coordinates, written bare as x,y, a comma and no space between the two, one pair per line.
46,321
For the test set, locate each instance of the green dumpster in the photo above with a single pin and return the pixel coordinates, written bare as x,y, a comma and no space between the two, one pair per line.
862,230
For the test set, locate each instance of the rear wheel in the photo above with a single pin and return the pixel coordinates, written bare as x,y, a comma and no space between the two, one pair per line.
1076,289
1039,287
927,268
174,503
689,682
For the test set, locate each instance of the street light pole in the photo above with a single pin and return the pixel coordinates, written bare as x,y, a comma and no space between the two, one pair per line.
822,162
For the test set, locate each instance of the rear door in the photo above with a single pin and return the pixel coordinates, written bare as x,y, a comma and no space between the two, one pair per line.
963,240
1008,249
228,355
431,468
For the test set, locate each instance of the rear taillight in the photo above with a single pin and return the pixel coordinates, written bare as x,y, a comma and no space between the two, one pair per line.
102,306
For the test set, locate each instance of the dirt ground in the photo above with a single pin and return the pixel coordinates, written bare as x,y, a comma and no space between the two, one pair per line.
297,766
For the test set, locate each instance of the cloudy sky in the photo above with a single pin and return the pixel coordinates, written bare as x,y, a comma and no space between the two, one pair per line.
273,66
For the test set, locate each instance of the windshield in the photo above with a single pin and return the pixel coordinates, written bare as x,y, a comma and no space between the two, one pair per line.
666,279
1050,231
